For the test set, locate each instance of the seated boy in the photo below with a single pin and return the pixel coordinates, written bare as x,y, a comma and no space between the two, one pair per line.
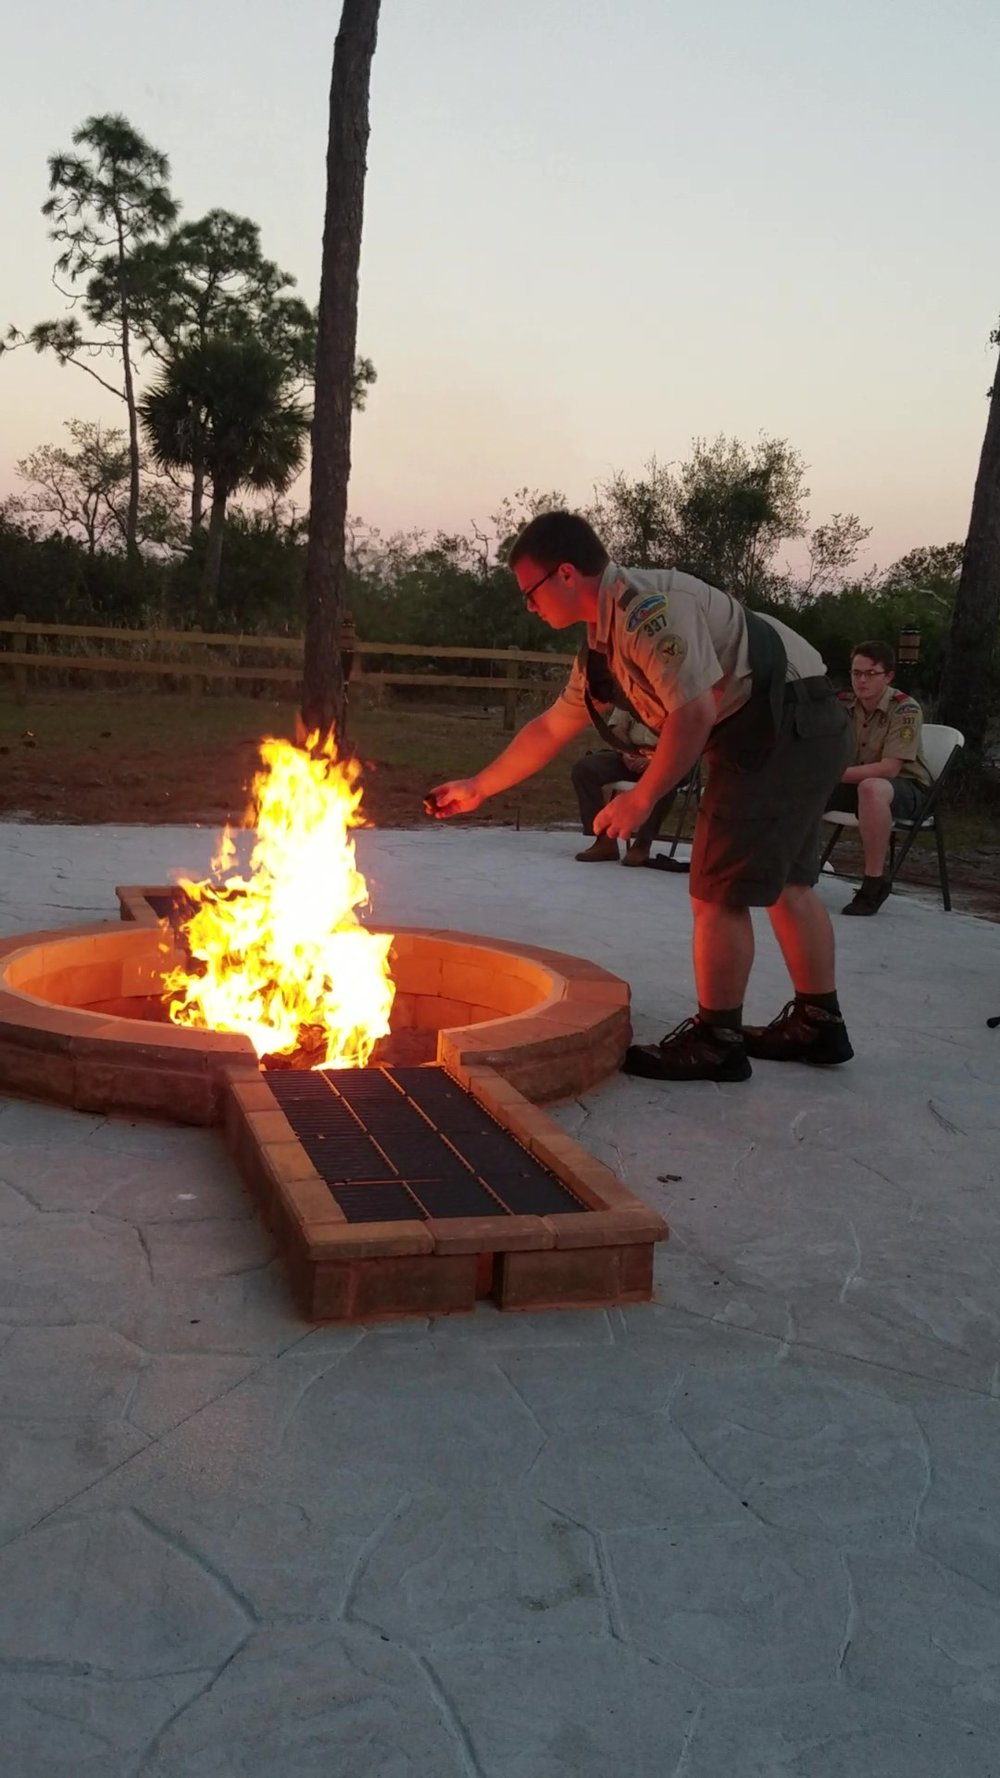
889,776
593,772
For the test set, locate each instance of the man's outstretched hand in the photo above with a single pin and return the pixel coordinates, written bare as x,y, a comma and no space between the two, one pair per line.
459,797
623,815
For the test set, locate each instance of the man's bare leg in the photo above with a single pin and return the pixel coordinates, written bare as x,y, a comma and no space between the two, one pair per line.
723,953
811,1028
804,931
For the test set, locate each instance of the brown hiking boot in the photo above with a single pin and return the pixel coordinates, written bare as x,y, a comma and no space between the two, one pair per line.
603,851
800,1033
694,1051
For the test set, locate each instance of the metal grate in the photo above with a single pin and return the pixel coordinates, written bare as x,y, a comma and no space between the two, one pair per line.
405,1143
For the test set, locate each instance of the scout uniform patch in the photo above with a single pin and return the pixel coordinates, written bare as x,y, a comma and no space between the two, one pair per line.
653,605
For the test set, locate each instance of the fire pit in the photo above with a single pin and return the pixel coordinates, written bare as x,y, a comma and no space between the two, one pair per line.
375,1088
82,1023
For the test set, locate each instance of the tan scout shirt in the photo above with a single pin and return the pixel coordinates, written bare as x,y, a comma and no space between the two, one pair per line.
670,637
892,731
630,733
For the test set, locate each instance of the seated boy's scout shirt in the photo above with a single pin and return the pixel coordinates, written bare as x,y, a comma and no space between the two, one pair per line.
891,731
634,736
669,637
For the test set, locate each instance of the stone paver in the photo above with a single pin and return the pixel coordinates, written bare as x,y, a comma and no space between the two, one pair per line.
749,1530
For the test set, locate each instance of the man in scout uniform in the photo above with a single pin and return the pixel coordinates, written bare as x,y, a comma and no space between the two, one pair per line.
707,677
889,776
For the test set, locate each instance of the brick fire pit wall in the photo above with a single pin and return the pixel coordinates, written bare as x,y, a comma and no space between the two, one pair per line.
551,1024
81,1021
68,1030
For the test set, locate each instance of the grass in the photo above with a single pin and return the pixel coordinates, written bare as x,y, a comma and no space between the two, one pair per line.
98,756
87,756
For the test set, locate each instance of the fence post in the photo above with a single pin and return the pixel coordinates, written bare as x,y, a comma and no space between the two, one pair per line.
196,683
20,672
510,696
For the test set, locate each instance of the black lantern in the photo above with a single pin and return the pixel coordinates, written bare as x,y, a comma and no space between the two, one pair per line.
907,656
908,646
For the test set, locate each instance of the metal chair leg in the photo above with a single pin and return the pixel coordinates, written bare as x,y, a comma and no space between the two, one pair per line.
678,826
835,832
901,856
685,804
942,864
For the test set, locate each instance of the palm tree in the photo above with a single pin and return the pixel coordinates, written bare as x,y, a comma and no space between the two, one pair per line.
225,404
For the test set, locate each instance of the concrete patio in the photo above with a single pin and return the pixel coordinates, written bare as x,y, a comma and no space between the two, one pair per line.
749,1531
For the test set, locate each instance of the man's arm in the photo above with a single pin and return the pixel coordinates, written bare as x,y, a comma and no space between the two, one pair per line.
879,768
531,749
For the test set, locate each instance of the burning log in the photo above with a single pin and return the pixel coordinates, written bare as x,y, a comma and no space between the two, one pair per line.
310,1051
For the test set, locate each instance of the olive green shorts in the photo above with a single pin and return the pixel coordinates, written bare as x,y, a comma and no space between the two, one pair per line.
907,796
758,826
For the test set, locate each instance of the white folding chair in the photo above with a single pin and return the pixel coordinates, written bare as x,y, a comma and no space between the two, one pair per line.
940,746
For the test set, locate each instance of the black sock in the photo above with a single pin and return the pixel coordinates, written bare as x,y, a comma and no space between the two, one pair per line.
826,1002
729,1019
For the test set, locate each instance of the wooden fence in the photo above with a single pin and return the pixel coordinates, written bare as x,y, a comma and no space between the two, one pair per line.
194,657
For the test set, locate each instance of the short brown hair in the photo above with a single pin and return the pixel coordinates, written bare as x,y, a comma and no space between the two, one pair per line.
880,653
553,537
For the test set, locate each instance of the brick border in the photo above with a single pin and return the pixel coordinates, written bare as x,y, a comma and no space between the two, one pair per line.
343,1271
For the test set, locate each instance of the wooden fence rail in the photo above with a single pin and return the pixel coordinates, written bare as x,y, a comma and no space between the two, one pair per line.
199,664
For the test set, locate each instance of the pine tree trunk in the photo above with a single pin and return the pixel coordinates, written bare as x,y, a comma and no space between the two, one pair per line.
968,680
212,572
197,493
326,566
132,516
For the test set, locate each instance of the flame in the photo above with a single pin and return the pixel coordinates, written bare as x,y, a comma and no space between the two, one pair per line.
281,955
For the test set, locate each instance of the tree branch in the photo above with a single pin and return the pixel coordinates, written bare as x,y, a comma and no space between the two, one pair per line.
92,373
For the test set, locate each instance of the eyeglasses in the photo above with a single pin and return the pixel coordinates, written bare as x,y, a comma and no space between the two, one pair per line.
867,672
528,593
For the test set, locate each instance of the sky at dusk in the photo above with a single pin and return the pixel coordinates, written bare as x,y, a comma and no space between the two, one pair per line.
594,230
